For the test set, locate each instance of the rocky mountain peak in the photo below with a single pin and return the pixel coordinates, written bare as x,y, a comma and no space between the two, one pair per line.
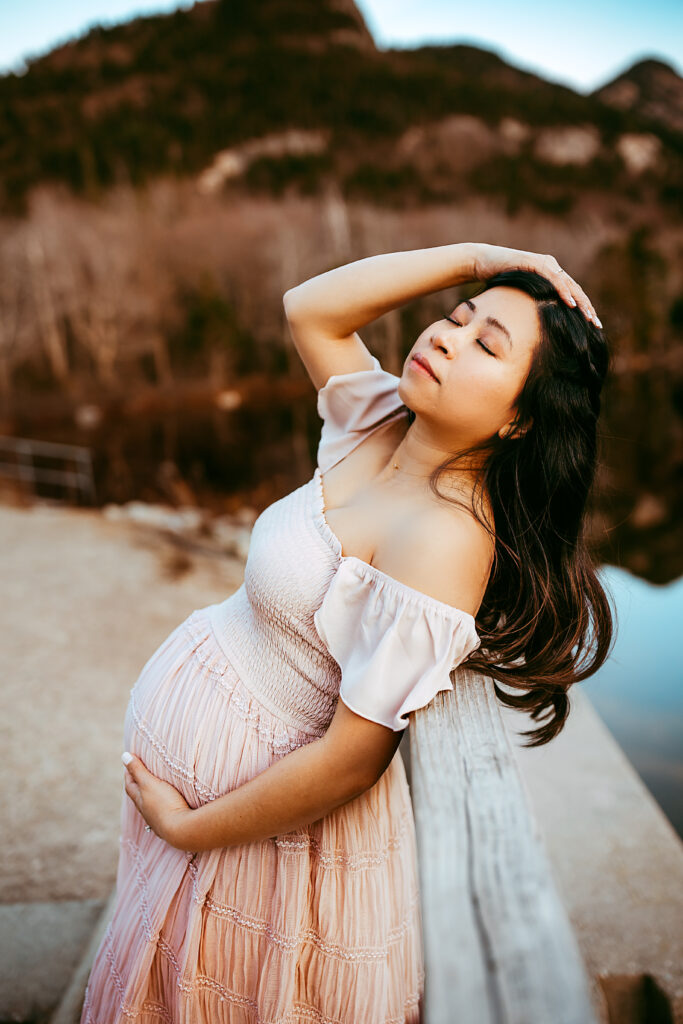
651,88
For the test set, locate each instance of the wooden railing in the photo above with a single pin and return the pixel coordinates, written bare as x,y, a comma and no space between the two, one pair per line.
498,944
24,459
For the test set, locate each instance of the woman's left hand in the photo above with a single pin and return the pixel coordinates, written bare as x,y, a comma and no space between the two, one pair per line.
491,259
161,805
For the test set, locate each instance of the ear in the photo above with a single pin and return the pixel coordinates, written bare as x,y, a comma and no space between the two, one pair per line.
513,431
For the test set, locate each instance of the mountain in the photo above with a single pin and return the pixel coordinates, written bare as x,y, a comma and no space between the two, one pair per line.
294,92
650,88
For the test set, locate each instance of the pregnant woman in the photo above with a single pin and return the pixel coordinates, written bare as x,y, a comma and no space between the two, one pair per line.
268,865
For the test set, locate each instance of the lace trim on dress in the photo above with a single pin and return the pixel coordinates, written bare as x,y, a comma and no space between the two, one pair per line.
285,942
358,861
299,1011
196,627
288,943
264,927
174,764
126,1009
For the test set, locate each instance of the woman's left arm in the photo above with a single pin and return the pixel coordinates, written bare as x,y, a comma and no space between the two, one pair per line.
299,788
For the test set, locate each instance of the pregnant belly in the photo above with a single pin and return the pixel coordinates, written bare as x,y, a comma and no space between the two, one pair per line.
193,723
160,723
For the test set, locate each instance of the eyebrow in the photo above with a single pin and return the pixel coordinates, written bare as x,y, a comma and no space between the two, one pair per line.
491,320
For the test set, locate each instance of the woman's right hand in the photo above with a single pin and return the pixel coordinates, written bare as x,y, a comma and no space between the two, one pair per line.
492,259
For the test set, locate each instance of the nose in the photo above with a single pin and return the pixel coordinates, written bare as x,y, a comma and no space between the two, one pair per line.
444,338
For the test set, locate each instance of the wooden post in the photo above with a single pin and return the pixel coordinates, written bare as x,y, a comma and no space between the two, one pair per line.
498,944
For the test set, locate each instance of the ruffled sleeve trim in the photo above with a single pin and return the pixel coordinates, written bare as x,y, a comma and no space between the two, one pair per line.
350,405
396,646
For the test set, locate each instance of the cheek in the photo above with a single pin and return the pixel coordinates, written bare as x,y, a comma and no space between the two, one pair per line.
475,379
478,397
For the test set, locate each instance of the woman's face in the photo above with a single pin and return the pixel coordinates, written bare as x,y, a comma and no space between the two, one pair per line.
476,391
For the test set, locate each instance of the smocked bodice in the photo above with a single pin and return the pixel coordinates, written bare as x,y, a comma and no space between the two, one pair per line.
266,627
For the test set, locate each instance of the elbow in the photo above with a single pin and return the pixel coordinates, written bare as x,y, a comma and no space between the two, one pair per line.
289,302
356,752
354,782
366,776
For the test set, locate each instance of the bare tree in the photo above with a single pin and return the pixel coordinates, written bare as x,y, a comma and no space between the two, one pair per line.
15,307
51,329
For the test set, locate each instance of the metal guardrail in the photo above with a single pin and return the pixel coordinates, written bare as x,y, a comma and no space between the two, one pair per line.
76,479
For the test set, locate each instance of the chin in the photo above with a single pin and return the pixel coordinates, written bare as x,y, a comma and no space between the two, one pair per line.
403,391
412,386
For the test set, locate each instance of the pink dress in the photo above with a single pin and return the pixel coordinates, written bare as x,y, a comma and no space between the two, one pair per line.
321,925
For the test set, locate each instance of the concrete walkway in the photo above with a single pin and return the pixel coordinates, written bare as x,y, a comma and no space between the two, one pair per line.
85,602
42,945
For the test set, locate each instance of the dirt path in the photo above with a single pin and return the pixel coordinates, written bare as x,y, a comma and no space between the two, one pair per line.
84,602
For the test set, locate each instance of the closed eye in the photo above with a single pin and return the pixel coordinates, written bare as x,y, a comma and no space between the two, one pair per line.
479,341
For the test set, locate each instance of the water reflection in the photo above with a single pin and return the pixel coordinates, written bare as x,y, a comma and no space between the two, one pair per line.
212,456
638,692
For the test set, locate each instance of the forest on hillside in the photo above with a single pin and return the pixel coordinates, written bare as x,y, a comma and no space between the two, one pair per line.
160,95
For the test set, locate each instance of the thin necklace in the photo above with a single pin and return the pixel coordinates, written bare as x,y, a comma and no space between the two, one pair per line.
395,465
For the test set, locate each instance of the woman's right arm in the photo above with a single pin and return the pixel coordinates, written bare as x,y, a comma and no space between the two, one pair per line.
325,312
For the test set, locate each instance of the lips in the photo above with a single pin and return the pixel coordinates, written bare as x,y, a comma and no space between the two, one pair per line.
422,360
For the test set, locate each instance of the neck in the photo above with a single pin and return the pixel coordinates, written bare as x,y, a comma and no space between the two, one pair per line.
417,458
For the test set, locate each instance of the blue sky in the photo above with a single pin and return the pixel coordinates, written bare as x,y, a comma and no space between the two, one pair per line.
581,44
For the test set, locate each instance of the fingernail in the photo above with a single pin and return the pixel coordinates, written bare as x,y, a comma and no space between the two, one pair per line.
598,321
572,300
126,757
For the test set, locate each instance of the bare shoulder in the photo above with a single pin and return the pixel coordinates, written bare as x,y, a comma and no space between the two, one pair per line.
445,552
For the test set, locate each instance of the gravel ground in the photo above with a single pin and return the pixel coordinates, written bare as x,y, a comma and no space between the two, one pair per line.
85,600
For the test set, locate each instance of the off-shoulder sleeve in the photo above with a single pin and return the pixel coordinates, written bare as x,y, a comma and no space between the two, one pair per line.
350,405
395,646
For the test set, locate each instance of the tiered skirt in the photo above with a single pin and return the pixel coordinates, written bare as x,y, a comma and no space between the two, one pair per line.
318,925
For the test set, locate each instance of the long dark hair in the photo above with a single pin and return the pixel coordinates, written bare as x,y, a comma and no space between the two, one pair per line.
545,620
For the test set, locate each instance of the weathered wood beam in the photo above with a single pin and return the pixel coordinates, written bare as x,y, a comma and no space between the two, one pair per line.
498,944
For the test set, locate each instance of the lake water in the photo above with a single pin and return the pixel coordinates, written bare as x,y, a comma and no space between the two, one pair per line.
638,692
